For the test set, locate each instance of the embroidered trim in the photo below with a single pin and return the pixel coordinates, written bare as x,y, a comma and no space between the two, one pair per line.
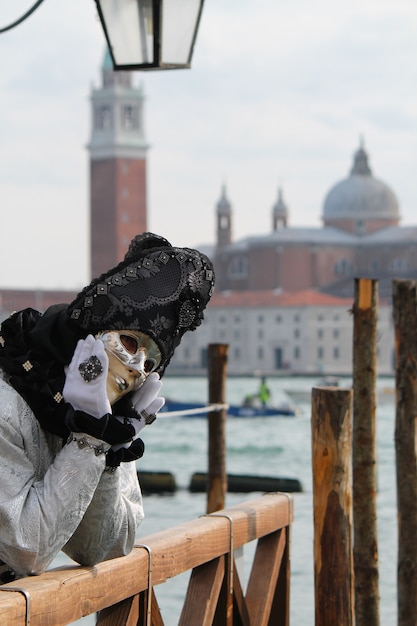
83,442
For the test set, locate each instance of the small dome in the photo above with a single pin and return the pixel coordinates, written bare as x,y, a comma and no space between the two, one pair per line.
361,196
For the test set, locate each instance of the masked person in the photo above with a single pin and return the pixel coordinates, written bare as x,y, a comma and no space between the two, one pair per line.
77,384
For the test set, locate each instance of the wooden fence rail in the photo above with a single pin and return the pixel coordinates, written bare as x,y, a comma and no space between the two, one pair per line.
122,589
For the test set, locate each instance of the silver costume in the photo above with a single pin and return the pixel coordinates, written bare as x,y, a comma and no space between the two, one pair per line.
58,497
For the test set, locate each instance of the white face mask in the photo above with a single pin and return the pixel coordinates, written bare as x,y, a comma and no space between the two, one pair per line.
133,355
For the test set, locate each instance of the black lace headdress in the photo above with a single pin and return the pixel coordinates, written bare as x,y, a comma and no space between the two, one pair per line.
157,289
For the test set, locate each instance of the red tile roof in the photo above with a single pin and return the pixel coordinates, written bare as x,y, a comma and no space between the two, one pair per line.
270,298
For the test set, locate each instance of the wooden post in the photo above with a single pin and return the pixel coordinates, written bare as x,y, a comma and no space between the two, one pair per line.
332,505
365,542
405,320
217,475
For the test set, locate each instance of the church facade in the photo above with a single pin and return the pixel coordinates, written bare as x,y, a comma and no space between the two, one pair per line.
361,236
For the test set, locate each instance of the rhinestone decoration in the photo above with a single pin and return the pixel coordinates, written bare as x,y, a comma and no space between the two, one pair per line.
147,263
181,257
131,272
27,366
186,315
84,443
116,280
88,301
91,368
58,397
102,289
164,258
75,314
148,417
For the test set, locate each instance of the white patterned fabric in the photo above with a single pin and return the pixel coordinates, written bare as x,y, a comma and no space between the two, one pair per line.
56,496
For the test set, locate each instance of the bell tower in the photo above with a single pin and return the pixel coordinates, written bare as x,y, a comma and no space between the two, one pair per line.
117,151
224,219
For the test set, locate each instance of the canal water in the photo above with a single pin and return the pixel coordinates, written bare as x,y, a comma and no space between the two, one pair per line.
278,446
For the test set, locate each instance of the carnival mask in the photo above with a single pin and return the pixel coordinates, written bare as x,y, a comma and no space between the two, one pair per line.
133,355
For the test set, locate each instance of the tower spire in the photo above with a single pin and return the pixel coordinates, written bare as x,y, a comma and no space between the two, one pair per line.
279,212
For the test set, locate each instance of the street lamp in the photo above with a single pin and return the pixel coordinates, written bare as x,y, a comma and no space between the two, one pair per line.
150,34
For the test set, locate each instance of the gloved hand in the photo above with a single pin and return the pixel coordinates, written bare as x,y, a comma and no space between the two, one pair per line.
88,391
144,399
85,389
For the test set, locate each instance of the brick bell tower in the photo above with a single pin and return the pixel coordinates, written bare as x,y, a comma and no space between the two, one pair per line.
117,168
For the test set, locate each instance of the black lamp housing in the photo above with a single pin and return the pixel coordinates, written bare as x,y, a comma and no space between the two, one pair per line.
150,34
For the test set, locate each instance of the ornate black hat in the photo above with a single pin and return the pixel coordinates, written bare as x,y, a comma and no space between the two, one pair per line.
157,289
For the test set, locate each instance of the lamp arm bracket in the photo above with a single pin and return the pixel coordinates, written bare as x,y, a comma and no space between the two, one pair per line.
22,18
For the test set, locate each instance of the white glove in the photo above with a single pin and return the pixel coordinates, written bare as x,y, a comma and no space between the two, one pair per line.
88,392
144,399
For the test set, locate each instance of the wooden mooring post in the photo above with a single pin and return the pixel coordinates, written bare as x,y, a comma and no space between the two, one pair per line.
365,542
405,321
217,473
332,506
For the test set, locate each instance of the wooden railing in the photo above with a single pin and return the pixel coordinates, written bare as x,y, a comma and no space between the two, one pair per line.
122,590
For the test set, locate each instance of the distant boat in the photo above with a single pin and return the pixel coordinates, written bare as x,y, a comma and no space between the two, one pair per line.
195,410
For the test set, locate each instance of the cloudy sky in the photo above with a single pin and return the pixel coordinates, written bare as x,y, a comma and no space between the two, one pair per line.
279,93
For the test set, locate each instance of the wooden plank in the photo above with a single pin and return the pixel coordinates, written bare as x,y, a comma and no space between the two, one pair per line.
12,607
155,612
263,577
67,594
280,610
240,611
124,613
203,593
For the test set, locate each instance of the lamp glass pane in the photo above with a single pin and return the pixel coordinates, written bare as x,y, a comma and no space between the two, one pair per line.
179,23
129,25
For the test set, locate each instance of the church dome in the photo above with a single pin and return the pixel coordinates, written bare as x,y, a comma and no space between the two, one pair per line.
360,196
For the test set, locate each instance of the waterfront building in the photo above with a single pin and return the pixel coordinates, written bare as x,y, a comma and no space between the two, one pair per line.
279,334
282,300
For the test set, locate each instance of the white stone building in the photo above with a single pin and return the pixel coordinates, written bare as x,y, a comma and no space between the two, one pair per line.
282,334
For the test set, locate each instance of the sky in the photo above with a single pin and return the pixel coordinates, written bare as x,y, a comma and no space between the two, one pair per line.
279,94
